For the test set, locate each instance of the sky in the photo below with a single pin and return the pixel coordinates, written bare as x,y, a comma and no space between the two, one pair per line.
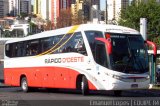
102,3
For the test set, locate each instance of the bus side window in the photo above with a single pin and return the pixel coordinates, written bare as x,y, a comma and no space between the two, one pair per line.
27,53
49,43
97,48
79,44
34,47
58,41
18,49
65,48
74,44
14,50
11,50
8,50
91,35
100,56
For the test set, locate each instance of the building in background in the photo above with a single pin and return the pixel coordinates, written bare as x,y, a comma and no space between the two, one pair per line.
64,4
94,10
56,7
44,9
19,6
14,7
114,8
3,8
49,10
25,6
77,8
37,7
88,9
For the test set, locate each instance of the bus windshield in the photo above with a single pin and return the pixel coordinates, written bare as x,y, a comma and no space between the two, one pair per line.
129,54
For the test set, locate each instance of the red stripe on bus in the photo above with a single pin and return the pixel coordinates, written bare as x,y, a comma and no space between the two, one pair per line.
91,86
49,77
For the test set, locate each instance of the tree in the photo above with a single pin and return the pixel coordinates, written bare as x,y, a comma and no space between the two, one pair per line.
64,19
130,17
48,25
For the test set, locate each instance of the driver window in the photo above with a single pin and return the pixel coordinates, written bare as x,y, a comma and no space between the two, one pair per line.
100,56
98,49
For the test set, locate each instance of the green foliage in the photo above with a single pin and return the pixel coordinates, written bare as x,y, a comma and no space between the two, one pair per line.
23,15
150,10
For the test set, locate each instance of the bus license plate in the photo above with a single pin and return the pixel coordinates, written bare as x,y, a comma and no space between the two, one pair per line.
134,86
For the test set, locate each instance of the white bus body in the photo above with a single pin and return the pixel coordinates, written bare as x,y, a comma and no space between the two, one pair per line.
80,65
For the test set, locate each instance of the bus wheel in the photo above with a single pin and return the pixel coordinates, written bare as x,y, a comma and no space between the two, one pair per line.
118,93
84,86
24,84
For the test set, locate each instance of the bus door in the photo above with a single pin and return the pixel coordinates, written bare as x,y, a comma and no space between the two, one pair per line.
98,48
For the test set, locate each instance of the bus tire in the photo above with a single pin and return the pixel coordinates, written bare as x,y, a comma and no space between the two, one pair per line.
84,86
24,84
117,92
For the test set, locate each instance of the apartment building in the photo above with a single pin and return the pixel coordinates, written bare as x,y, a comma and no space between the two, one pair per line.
3,8
19,6
114,8
25,6
50,9
88,9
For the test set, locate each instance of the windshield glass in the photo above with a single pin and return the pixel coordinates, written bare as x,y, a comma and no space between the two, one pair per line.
129,54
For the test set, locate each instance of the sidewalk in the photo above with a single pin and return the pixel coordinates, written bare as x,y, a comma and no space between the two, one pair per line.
152,92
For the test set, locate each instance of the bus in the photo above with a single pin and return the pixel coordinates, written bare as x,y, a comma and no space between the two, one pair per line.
84,57
21,30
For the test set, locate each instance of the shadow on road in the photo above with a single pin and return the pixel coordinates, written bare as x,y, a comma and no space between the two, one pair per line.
127,93
1,81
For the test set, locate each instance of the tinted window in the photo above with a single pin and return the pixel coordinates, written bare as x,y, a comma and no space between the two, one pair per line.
56,44
47,43
100,55
91,35
14,49
98,48
32,47
8,50
72,43
129,54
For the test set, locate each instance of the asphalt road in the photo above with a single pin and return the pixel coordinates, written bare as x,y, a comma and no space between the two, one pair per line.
43,97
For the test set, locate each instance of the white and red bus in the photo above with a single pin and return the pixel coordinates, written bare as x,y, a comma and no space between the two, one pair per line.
85,57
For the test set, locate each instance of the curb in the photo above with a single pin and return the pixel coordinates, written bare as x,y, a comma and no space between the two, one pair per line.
154,91
149,91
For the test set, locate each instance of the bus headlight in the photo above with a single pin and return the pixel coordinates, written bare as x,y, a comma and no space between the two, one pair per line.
114,76
117,77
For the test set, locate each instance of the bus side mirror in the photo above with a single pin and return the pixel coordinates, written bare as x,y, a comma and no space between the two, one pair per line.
154,47
107,42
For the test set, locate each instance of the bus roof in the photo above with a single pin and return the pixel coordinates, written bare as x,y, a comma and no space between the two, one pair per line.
82,27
